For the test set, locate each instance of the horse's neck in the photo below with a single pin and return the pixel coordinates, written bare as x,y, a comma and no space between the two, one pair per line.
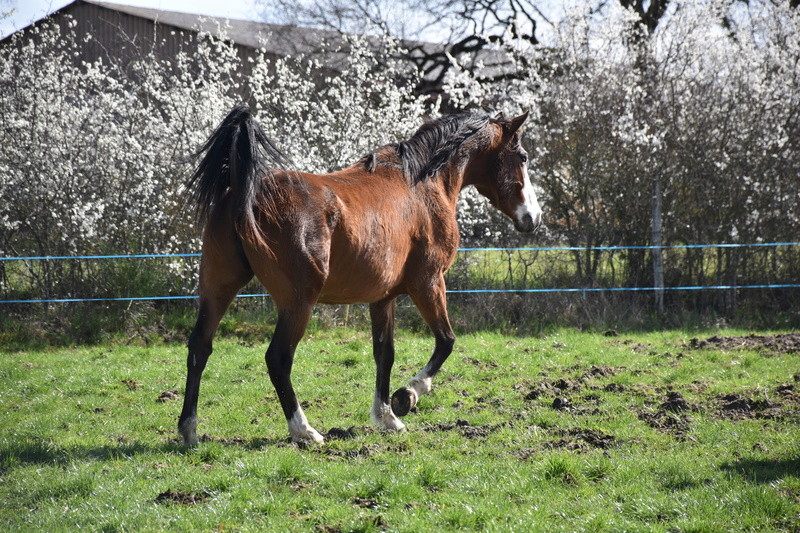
452,182
455,177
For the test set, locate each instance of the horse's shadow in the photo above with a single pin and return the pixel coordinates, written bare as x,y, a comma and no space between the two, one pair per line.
764,470
45,452
39,451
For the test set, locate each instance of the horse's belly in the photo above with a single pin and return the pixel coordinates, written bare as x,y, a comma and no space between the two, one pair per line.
361,280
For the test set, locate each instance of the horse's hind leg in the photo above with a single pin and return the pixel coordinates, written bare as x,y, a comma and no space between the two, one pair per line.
221,277
289,330
432,305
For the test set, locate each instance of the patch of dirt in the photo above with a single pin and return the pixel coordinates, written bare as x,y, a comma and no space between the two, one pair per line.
366,503
130,383
168,396
669,422
482,402
336,453
557,387
551,386
615,387
466,429
341,434
741,407
232,441
174,497
788,392
784,343
698,386
479,364
600,371
640,347
526,453
534,393
676,403
576,439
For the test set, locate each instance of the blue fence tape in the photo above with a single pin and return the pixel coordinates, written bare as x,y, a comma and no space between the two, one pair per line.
642,247
453,291
133,256
622,289
523,249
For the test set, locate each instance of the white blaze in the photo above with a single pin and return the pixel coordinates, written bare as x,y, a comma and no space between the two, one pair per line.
530,204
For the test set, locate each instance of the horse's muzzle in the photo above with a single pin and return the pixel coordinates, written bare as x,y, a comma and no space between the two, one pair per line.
528,223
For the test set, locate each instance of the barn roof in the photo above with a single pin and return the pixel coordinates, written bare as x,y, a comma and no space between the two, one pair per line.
279,39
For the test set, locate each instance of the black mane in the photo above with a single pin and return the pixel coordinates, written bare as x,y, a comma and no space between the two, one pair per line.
436,142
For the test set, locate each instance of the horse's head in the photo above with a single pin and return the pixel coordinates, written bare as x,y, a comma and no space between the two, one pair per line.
500,173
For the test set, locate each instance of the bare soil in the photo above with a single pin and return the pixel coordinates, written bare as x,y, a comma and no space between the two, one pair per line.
176,497
466,429
577,439
781,403
168,396
675,403
678,425
341,434
783,343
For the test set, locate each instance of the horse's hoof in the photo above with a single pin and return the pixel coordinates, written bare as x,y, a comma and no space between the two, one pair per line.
311,437
387,422
403,400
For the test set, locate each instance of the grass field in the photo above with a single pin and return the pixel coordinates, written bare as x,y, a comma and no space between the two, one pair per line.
568,432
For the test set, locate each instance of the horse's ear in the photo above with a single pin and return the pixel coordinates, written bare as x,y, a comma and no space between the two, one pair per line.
514,125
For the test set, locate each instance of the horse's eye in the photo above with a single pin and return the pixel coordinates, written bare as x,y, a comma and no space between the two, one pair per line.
523,157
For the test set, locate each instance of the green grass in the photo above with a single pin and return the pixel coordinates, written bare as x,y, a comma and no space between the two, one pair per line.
84,443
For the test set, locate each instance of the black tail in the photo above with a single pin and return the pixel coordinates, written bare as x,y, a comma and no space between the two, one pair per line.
237,155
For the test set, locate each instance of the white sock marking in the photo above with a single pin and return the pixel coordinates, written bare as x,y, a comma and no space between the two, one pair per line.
301,430
383,417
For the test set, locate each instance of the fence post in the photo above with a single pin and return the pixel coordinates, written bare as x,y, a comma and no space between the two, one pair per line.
658,260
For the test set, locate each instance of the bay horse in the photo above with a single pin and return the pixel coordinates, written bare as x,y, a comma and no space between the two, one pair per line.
383,227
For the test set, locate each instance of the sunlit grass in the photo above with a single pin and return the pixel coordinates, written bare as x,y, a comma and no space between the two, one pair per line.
85,443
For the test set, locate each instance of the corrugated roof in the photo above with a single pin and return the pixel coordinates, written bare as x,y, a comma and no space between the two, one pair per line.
279,39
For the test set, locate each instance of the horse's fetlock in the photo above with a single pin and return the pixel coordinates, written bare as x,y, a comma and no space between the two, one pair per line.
188,431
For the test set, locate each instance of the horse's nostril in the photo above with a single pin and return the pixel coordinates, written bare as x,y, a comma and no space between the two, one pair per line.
528,223
525,223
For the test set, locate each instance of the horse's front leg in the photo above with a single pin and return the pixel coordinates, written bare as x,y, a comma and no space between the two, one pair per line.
432,305
382,315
